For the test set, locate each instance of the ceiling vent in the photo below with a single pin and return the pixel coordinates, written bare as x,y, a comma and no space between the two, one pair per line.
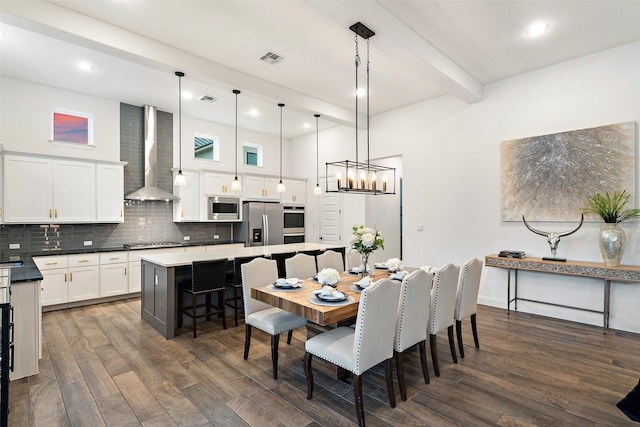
208,98
272,58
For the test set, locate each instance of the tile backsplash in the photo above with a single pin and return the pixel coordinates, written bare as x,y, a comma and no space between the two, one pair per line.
144,222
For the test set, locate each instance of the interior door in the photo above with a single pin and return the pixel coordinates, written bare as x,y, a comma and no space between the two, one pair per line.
330,218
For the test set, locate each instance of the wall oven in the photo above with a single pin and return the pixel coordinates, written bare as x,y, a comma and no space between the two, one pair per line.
293,221
224,209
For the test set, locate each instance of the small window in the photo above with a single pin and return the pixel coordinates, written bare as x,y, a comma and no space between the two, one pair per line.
71,126
251,154
206,147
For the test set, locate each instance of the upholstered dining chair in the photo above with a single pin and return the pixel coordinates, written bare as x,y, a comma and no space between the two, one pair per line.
330,259
443,302
272,320
300,265
411,325
357,350
354,258
234,282
467,299
280,259
207,278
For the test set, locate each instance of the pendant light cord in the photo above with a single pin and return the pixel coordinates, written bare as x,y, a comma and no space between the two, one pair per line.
281,105
236,91
317,116
179,74
357,66
368,62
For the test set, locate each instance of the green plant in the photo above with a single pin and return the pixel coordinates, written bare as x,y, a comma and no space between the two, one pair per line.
610,207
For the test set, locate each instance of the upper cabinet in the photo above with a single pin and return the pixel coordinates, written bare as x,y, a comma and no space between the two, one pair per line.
295,191
261,188
188,207
218,184
54,190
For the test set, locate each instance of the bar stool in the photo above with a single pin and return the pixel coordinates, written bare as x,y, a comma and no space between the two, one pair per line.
207,278
279,259
235,284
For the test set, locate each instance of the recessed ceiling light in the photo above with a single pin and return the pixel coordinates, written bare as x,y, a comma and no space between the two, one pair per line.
85,66
253,112
361,91
537,29
306,125
186,94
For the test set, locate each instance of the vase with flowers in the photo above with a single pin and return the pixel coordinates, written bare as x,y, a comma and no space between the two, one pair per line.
365,240
611,210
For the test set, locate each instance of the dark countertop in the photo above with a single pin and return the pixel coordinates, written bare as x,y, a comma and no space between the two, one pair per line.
30,272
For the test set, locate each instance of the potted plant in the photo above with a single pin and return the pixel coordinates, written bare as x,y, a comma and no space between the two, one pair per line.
611,210
365,241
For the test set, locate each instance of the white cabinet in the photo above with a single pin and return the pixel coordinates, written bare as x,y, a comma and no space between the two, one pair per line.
295,192
110,193
68,278
188,207
113,273
47,190
260,188
25,298
218,184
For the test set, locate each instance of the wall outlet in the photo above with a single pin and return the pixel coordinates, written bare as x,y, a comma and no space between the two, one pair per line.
187,237
88,242
14,245
216,236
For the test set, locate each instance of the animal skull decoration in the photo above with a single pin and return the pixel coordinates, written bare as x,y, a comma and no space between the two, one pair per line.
552,237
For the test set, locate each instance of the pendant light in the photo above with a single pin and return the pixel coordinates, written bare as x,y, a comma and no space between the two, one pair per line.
317,190
360,177
180,179
280,187
236,185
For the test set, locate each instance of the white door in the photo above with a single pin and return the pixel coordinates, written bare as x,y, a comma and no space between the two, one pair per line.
330,218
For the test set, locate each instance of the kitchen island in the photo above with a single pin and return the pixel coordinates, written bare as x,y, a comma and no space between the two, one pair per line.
161,272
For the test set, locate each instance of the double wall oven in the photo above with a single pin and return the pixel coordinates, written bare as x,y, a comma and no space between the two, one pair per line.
293,219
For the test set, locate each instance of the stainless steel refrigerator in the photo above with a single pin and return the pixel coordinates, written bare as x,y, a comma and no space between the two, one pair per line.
262,224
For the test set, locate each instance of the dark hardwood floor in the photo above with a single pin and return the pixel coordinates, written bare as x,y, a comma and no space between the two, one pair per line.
102,365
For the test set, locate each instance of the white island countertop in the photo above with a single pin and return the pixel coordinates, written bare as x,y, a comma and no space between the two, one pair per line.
231,252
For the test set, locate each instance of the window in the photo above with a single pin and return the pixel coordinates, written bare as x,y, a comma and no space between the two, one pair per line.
206,147
71,126
251,154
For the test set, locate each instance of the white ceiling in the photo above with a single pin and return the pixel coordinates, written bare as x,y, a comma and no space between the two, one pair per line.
421,50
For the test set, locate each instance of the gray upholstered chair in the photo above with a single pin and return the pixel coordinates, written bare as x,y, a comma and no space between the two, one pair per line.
300,265
269,319
330,259
467,299
443,303
359,349
411,325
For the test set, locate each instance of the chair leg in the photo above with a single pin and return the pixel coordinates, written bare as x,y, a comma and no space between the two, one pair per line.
459,336
452,345
289,336
235,304
474,328
207,305
357,394
247,340
180,306
388,373
308,372
221,305
423,360
275,339
193,319
400,370
434,354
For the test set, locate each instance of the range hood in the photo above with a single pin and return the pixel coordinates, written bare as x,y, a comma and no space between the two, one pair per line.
150,191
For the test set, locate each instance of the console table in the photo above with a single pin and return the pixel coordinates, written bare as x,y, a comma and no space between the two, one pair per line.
623,273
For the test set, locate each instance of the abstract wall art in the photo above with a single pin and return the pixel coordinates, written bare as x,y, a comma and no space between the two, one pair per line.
548,177
72,126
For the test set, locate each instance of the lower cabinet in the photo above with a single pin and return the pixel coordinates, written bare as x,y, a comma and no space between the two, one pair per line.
68,278
25,298
113,273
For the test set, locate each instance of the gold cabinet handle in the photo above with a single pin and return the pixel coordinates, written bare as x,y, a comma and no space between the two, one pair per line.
51,263
115,258
71,277
65,277
182,213
50,213
83,260
56,211
125,271
120,212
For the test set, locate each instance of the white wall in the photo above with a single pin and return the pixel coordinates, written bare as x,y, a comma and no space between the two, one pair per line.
451,170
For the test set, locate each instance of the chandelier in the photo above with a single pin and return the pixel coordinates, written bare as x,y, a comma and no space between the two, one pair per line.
356,176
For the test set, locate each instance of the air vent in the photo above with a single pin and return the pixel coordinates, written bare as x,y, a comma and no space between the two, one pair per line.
208,98
272,58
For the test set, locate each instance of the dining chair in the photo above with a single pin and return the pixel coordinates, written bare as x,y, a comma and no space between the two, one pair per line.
443,302
354,258
330,259
357,350
467,299
207,278
411,324
234,282
300,265
269,319
280,259
314,254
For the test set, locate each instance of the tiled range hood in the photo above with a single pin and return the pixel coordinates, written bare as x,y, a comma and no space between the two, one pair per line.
150,191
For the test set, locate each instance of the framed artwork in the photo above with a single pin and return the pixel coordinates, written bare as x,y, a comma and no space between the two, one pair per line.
548,177
72,127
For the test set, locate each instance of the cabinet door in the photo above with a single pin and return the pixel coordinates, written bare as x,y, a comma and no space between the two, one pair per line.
55,288
25,298
254,187
110,193
270,189
74,195
219,184
295,194
135,276
188,207
83,283
113,279
28,195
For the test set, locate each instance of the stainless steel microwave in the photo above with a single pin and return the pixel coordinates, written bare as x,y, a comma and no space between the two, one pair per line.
224,208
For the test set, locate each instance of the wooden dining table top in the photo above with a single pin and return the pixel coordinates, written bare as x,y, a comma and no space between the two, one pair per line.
297,301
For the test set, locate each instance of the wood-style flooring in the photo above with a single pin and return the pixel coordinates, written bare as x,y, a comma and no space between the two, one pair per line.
103,365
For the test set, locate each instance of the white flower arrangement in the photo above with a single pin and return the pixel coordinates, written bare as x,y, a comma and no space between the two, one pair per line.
366,240
328,276
394,264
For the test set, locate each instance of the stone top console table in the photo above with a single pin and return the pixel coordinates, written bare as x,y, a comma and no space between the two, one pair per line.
623,273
